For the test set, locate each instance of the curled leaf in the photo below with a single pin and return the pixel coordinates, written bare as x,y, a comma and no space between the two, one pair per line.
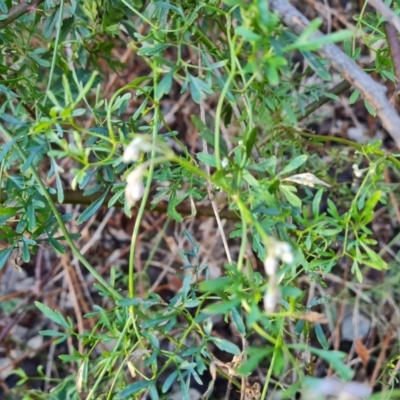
306,179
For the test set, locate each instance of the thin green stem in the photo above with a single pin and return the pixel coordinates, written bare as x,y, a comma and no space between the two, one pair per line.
244,239
346,142
131,272
222,97
111,359
54,59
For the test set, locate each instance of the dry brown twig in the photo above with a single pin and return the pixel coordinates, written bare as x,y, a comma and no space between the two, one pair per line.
372,91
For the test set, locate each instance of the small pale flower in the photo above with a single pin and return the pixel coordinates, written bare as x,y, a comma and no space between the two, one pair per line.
270,265
284,252
224,162
134,186
287,257
357,172
134,148
271,299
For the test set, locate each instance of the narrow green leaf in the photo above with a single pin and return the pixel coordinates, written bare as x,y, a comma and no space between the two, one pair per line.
250,140
221,307
4,254
247,34
55,316
321,336
294,200
95,206
225,345
253,361
317,66
6,147
169,381
316,203
208,136
215,285
133,388
31,217
164,85
238,321
294,164
369,108
207,159
55,244
354,97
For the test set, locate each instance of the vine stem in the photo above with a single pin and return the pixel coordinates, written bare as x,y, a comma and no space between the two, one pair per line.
135,233
58,217
224,92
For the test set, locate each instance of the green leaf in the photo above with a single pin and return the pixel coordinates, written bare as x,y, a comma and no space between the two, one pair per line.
215,285
134,388
50,332
247,34
221,307
153,50
168,6
368,211
250,140
4,254
238,321
321,336
369,108
294,164
197,88
209,136
169,381
55,244
6,147
225,345
31,217
316,203
55,316
255,355
164,85
332,357
317,66
6,213
3,7
266,165
354,97
91,210
207,159
294,200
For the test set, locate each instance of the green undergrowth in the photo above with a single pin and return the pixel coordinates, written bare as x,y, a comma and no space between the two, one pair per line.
278,179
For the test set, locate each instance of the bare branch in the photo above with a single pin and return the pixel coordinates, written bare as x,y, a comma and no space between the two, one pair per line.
372,91
394,46
18,10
